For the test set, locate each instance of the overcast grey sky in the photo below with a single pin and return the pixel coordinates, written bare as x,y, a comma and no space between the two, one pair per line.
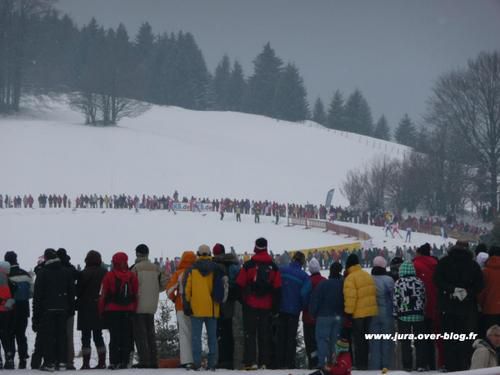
392,50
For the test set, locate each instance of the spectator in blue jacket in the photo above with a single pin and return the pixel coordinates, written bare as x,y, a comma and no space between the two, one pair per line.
381,350
295,294
327,306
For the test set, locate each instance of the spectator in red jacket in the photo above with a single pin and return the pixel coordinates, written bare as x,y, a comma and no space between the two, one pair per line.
308,320
260,283
425,266
118,301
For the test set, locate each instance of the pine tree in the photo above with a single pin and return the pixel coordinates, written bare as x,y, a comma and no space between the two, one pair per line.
358,117
237,87
262,84
336,117
290,99
144,41
221,84
382,130
422,140
319,114
167,337
405,132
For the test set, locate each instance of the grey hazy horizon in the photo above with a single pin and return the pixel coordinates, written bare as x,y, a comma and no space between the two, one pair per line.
392,50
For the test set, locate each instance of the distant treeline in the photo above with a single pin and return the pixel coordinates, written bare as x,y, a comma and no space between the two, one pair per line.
106,71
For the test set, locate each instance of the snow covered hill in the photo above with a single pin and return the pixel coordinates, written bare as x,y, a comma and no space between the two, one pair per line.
201,153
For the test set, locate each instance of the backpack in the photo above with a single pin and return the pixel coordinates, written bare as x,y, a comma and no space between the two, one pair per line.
122,294
262,283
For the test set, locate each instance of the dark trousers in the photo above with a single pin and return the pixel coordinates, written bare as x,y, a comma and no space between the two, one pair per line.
5,337
287,340
225,342
145,339
310,342
87,335
360,326
457,354
53,337
18,330
421,358
120,337
257,328
37,355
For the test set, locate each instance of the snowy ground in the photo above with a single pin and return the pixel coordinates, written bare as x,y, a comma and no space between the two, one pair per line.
201,153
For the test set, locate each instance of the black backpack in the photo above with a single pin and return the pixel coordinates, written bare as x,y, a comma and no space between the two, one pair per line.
262,283
123,294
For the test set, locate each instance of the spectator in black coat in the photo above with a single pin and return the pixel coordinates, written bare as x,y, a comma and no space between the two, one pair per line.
70,324
52,304
459,280
89,321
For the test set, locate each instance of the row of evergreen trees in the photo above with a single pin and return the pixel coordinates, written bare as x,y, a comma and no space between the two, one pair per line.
44,52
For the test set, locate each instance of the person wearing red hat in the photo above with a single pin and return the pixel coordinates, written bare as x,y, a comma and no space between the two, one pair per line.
229,311
260,283
118,301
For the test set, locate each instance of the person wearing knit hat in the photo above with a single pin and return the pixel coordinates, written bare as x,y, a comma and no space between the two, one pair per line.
203,251
309,323
260,245
200,303
118,305
409,304
381,351
425,249
218,249
261,298
379,261
11,257
229,339
22,294
313,266
152,282
343,362
360,300
394,267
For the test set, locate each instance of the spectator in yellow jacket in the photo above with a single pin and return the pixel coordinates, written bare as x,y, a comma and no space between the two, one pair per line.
360,302
199,301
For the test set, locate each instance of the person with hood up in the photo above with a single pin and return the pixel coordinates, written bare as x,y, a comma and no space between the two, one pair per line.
327,307
295,294
22,294
381,350
309,323
226,338
118,303
89,321
53,302
260,283
360,302
425,267
485,350
408,306
459,280
175,291
199,301
152,282
489,298
6,306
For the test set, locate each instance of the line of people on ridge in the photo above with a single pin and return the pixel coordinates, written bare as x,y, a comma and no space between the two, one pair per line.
251,312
